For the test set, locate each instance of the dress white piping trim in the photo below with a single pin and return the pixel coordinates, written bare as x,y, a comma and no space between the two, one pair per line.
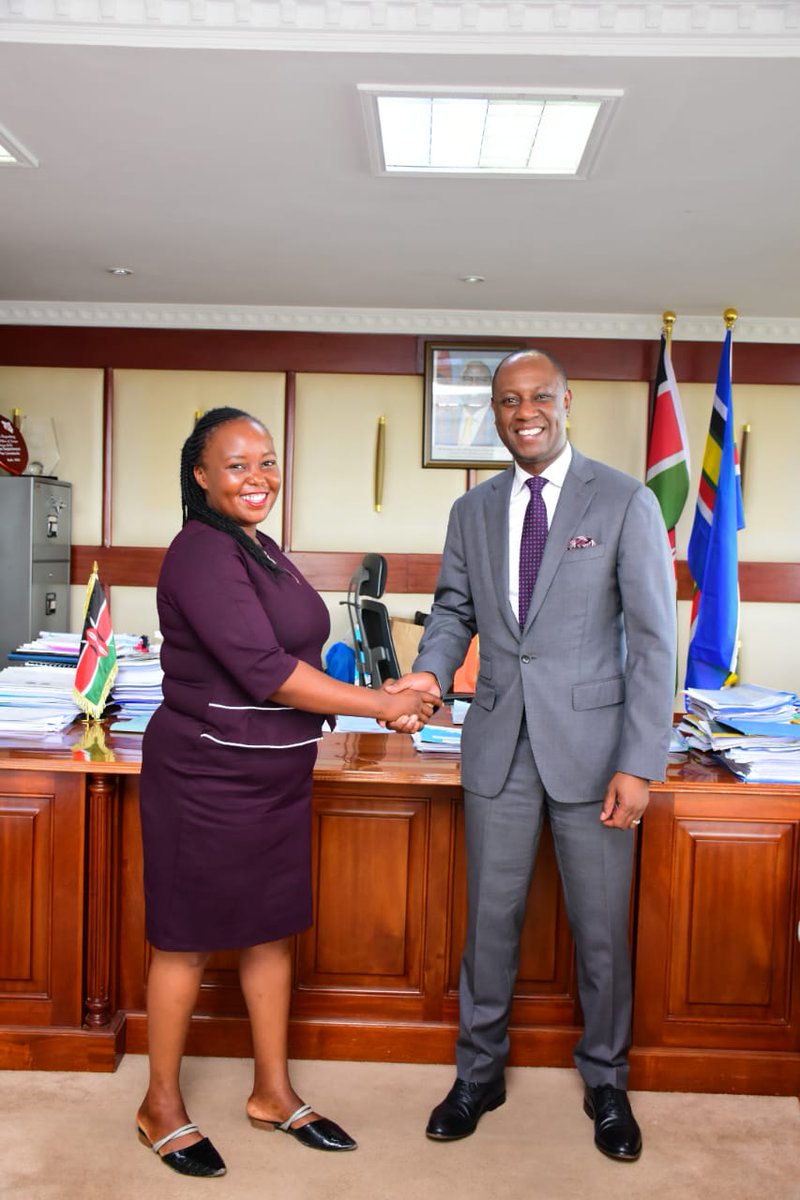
260,745
251,707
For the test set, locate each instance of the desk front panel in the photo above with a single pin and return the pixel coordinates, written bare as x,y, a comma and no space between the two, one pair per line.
376,976
41,899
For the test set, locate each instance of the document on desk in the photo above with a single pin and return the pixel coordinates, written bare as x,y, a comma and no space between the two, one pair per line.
358,725
132,722
439,738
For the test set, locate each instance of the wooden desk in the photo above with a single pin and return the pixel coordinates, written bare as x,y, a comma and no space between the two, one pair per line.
714,916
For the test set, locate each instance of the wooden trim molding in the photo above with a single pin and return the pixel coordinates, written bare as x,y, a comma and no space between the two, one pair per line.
102,873
628,359
289,425
759,582
330,571
208,350
108,453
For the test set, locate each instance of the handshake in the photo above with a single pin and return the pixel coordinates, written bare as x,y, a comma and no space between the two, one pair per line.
409,702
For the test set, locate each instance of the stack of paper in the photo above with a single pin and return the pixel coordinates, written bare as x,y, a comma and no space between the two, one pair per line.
745,701
137,690
36,699
755,731
52,647
36,691
438,738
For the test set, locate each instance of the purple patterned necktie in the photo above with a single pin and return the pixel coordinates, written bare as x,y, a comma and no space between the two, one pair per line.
531,546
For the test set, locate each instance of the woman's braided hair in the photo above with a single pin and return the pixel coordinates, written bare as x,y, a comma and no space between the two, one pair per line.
193,497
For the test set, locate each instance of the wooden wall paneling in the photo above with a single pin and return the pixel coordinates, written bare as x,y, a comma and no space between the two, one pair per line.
774,582
330,571
423,571
370,353
759,582
208,350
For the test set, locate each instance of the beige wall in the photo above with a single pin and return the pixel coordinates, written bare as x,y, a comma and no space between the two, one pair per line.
770,492
335,438
73,399
153,416
608,421
337,418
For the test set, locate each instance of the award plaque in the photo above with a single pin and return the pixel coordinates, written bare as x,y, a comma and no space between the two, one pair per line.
13,451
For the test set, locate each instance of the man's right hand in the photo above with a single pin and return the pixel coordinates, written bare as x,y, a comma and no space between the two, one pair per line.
417,681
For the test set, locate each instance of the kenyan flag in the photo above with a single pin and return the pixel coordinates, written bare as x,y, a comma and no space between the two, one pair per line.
97,660
668,447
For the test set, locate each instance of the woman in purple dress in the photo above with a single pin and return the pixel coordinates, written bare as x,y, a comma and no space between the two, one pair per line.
226,780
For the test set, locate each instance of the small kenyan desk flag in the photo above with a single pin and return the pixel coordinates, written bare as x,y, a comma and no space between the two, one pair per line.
97,659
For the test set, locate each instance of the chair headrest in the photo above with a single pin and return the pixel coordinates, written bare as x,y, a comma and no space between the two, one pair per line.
370,578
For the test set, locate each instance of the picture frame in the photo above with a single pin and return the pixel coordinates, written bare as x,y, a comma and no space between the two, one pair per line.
458,422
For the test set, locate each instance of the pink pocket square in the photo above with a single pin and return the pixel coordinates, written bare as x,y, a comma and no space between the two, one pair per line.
580,542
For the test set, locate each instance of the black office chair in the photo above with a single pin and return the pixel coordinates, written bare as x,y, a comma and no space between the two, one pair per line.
376,660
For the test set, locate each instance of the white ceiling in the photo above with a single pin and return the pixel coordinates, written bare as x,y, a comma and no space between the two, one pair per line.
239,178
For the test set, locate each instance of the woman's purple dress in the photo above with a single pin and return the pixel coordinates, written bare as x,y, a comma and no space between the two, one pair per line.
226,775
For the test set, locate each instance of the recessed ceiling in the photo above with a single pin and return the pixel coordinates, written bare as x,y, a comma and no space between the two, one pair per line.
232,177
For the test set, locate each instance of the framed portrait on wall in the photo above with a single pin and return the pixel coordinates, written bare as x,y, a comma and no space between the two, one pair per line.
458,423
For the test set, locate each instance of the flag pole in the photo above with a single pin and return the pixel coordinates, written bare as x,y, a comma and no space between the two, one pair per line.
730,317
87,716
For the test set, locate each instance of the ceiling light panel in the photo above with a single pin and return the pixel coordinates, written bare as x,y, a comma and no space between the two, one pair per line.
456,133
511,129
562,136
406,131
425,131
13,153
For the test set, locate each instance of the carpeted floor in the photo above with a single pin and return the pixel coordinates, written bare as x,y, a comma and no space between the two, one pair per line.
71,1137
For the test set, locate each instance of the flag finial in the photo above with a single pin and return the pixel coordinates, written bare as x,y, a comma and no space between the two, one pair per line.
730,317
668,319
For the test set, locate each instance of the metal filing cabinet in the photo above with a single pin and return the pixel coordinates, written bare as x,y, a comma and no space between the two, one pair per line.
35,537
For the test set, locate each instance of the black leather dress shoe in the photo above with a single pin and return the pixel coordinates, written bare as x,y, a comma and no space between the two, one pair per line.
463,1106
615,1130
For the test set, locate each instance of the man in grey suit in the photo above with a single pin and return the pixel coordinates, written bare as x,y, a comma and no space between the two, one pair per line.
571,717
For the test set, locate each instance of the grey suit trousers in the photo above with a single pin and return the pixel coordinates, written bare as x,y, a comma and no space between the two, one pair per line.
502,834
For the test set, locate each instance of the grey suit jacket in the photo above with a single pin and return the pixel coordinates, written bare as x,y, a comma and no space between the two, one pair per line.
594,667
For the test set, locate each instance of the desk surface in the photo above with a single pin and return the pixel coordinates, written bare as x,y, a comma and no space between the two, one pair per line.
384,757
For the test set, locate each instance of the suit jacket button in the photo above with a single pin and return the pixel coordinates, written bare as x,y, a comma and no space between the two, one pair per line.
526,658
